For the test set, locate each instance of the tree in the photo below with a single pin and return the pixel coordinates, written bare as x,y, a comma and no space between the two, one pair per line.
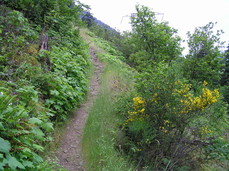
88,18
46,12
204,61
158,40
225,76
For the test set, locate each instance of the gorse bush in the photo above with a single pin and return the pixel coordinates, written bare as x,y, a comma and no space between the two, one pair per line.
168,123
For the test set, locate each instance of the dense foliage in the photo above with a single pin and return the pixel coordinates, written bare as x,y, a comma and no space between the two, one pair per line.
224,82
176,119
205,60
43,67
156,41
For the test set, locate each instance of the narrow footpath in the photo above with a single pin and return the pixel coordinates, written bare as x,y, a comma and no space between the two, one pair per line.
69,153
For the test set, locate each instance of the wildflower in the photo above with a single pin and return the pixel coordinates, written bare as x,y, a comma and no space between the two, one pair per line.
205,83
167,122
191,103
205,130
141,111
138,102
163,129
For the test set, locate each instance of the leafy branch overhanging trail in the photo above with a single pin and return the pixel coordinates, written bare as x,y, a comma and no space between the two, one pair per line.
69,154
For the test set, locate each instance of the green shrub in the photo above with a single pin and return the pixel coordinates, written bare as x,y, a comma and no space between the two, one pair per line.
37,88
23,130
169,125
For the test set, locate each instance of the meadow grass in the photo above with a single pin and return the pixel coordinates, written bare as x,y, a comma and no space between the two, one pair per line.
101,128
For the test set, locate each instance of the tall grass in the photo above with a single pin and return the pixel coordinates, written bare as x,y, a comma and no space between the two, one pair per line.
102,125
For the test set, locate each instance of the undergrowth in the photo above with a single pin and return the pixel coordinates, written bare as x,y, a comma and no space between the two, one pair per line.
38,87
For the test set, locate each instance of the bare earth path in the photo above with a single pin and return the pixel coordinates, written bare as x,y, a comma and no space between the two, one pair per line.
69,154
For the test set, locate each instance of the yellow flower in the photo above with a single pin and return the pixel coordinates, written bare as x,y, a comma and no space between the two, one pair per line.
205,130
191,103
138,113
167,122
138,100
141,111
205,83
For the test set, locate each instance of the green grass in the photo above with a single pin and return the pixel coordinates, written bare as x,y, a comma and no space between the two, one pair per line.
101,129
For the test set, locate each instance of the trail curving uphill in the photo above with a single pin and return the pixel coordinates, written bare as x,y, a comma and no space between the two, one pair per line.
69,153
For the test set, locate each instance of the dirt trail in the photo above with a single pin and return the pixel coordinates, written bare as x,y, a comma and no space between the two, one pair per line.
69,154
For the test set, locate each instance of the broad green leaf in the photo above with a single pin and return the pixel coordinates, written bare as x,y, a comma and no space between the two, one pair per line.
14,163
4,146
38,147
54,92
37,158
50,101
1,126
48,126
38,133
28,164
1,165
26,150
35,121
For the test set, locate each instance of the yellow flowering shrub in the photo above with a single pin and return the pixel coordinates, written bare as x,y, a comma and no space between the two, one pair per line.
170,116
183,89
138,102
139,110
191,103
188,102
204,130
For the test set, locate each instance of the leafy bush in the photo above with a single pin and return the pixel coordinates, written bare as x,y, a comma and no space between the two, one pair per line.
23,130
157,39
169,125
15,35
205,59
176,119
70,83
37,87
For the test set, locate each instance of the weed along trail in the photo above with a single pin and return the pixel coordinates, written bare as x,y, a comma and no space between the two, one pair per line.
69,153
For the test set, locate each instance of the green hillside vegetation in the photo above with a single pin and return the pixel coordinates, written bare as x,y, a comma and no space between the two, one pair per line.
43,76
156,109
175,117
